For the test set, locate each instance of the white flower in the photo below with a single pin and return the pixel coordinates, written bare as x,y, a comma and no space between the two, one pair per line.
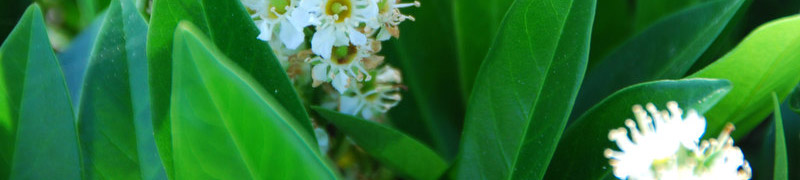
343,67
389,17
337,22
665,146
322,140
269,15
375,97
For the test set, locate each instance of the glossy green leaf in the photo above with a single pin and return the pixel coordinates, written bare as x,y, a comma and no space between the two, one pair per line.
39,140
392,148
585,140
781,159
432,109
225,126
89,9
473,43
114,102
230,27
666,50
765,62
525,89
75,58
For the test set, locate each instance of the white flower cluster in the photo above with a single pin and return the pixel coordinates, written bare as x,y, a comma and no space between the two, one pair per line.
345,38
667,146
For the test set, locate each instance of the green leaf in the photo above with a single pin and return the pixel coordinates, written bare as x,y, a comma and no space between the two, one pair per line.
525,89
585,140
473,43
114,113
765,62
89,9
225,126
230,27
666,50
432,109
794,99
74,59
39,137
781,160
392,148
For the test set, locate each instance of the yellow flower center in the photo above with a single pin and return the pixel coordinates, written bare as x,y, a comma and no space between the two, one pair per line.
279,5
344,55
341,8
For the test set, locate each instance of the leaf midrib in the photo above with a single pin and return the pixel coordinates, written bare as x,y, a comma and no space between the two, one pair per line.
541,84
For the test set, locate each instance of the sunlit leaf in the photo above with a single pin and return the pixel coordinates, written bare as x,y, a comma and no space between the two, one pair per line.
525,89
765,62
225,126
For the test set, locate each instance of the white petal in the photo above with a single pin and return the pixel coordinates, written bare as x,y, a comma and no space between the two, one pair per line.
311,5
322,42
340,82
348,105
357,38
290,36
341,38
383,34
371,11
322,139
266,31
300,18
367,113
320,72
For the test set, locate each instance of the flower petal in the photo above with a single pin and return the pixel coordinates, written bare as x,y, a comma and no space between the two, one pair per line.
322,42
290,36
340,82
357,38
320,72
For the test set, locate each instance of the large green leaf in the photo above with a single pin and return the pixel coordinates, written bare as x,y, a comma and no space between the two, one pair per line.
225,126
781,159
75,58
525,89
584,141
232,30
473,43
392,148
765,62
432,109
666,50
114,102
39,140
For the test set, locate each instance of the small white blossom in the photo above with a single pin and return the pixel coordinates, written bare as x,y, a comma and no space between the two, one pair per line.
270,15
322,139
337,22
345,66
389,17
665,146
376,97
